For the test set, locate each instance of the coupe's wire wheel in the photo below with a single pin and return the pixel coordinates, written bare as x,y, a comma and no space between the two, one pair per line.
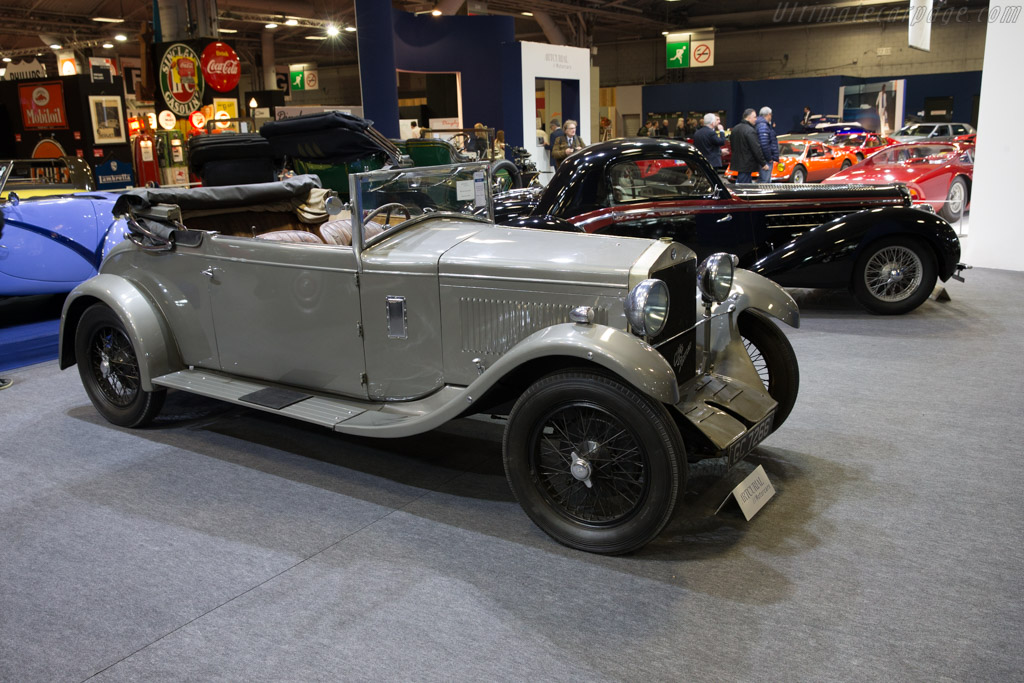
893,273
589,464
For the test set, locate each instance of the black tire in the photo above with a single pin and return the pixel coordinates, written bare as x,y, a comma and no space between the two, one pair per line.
860,157
799,175
507,175
108,366
845,165
773,358
626,445
956,200
894,275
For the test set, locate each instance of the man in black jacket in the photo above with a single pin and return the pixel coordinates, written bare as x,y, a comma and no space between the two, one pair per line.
710,139
747,156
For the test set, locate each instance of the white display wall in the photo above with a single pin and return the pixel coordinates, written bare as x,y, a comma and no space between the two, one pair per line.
996,234
540,60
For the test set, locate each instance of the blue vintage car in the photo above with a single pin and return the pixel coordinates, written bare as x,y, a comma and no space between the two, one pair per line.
54,231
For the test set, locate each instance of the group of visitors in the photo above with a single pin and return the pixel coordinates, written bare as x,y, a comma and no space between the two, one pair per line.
755,147
682,129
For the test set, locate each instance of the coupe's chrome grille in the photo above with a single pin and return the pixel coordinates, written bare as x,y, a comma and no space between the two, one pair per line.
493,326
809,219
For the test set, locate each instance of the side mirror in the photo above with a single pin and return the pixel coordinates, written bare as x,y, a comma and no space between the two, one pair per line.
333,205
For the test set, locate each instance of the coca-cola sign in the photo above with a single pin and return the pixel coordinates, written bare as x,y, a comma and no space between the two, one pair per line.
221,67
42,105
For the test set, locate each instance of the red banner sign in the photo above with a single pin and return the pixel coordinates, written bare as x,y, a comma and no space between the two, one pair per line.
42,105
221,67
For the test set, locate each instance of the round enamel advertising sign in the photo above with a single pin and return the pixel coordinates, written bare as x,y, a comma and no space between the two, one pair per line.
181,81
221,67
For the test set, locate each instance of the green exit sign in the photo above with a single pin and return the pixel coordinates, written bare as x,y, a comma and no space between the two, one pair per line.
677,55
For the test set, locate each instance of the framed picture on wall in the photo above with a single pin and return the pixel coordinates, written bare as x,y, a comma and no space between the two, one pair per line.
107,119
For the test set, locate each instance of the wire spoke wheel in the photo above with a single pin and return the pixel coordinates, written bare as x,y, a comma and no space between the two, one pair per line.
589,465
774,360
893,273
113,363
109,367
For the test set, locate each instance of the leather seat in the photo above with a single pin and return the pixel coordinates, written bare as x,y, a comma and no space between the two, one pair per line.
297,236
339,231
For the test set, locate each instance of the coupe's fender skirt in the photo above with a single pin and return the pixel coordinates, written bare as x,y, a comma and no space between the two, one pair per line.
154,345
824,256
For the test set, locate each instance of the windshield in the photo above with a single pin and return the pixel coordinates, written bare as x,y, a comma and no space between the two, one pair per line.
848,140
792,149
917,129
391,198
23,175
914,154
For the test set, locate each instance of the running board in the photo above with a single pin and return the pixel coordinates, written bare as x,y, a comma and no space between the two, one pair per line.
370,418
320,410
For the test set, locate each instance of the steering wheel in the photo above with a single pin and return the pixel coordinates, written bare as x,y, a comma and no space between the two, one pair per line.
387,209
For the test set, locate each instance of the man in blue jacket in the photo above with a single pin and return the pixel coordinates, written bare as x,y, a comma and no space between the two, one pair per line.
769,142
709,140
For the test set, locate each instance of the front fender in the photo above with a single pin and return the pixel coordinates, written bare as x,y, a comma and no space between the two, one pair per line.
728,355
825,255
622,353
154,345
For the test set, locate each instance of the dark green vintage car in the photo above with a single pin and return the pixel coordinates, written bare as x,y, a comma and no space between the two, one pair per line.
616,360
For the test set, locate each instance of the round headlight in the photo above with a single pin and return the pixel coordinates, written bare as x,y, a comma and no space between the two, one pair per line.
714,277
647,307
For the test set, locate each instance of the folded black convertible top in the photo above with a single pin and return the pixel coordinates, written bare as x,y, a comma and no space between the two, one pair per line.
221,197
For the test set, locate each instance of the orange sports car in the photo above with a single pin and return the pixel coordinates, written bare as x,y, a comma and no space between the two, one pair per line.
803,160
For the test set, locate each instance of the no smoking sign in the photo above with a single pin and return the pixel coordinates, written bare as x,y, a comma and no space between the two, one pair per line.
702,53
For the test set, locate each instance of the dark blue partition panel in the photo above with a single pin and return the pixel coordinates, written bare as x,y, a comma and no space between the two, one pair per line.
788,96
472,46
963,86
570,100
377,65
512,93
705,97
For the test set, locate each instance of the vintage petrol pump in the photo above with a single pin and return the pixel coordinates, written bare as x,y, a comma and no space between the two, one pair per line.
173,157
147,166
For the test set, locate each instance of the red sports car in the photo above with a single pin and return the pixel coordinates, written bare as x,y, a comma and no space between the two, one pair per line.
804,160
936,173
861,144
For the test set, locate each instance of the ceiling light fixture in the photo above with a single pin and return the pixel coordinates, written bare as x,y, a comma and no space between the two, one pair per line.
270,25
227,30
332,30
55,46
7,59
292,22
435,12
350,29
315,37
108,20
527,14
107,46
120,37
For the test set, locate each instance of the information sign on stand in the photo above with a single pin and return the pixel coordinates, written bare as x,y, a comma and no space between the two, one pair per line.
751,493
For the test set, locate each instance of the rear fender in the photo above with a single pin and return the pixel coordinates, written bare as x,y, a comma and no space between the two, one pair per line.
154,345
824,256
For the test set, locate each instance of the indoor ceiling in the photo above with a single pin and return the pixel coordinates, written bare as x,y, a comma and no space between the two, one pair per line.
30,26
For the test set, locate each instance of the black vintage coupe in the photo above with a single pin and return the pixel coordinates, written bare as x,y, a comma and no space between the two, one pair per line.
865,238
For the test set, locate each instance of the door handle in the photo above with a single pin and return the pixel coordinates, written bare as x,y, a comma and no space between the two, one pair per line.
725,219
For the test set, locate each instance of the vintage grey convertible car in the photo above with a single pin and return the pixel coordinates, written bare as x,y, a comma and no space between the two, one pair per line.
616,360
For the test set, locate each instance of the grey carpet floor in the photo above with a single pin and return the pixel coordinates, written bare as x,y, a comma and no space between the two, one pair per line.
225,545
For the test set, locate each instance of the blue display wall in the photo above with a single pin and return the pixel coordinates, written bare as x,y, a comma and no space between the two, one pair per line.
788,96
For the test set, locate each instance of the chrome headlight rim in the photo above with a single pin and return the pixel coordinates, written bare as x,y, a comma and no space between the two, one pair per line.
715,277
647,307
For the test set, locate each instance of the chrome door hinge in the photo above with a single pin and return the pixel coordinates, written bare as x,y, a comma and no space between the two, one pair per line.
359,329
362,378
356,276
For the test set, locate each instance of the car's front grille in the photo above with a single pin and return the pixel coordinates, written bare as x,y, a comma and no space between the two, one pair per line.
677,341
493,326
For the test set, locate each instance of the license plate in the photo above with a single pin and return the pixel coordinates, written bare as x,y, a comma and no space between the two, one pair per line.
746,443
